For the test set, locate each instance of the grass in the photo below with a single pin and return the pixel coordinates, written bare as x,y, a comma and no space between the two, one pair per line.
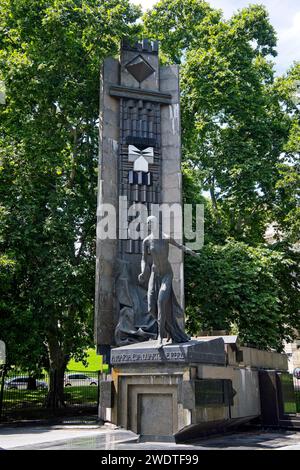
24,398
291,397
94,361
94,364
86,394
290,407
32,402
79,395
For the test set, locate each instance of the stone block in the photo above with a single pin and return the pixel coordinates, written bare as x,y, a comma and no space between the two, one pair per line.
122,107
208,352
246,401
150,83
264,359
155,414
106,393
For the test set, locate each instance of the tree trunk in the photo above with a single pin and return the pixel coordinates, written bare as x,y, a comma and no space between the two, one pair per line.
31,384
58,362
55,398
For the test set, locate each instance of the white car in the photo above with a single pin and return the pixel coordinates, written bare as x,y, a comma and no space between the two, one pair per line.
78,380
21,383
296,373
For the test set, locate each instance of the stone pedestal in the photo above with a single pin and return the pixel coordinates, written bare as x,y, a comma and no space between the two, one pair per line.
206,351
157,392
180,391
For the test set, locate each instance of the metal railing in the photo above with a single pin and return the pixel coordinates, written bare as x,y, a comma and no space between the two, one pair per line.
25,396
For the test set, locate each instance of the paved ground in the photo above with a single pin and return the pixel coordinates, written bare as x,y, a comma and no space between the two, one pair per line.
94,437
38,437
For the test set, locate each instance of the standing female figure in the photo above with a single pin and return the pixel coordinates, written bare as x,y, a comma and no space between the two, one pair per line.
162,303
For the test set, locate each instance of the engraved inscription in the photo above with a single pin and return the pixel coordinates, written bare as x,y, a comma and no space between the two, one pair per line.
148,357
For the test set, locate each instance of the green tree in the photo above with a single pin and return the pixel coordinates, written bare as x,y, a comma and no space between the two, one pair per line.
287,207
233,125
50,58
254,289
240,127
179,25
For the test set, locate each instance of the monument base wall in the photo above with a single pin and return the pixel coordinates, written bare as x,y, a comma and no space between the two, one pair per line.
178,390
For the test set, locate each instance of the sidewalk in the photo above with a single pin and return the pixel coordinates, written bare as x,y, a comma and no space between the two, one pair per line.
109,437
37,437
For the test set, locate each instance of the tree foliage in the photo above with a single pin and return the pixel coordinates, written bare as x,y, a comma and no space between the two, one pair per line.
240,145
179,25
240,136
253,289
50,58
286,207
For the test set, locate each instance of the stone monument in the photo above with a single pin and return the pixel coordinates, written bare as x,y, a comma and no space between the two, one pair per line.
163,384
157,275
140,158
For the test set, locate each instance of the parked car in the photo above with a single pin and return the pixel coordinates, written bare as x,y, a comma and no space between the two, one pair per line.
21,383
78,380
296,373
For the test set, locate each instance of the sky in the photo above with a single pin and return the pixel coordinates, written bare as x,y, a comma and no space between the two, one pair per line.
284,15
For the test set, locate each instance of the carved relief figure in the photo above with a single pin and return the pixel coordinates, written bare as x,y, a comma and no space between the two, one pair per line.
157,273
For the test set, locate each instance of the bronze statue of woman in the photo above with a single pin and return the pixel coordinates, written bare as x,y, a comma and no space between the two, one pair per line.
155,266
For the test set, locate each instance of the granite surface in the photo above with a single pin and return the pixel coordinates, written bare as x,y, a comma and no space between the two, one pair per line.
206,351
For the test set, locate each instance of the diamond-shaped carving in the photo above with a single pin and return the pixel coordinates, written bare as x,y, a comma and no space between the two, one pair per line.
139,68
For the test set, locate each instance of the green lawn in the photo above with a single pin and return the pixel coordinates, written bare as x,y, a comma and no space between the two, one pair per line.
33,401
290,407
86,394
95,363
291,397
79,395
24,398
